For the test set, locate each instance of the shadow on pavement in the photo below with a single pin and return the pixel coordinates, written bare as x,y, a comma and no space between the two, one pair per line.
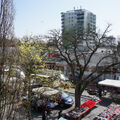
105,101
37,115
85,98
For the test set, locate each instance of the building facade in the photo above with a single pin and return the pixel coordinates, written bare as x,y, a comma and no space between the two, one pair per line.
78,19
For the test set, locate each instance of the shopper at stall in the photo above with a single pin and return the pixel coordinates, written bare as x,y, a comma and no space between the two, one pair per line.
60,113
44,115
100,92
38,104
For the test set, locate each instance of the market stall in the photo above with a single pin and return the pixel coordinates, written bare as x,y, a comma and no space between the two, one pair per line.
84,108
110,83
113,88
109,113
116,116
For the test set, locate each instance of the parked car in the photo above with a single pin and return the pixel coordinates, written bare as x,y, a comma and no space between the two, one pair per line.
35,86
66,100
92,90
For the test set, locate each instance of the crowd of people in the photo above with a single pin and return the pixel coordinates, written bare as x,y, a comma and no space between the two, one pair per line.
41,105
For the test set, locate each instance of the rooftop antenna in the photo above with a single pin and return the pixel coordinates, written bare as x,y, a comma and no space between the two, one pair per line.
80,7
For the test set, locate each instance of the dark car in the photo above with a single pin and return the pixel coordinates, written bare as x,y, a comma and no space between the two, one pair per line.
92,90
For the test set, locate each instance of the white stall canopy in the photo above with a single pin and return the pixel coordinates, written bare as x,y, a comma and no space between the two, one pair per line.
111,83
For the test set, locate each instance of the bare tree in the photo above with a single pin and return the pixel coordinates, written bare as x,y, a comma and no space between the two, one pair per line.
7,53
81,51
6,29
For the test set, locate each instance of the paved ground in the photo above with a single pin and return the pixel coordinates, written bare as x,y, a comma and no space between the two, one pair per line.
100,107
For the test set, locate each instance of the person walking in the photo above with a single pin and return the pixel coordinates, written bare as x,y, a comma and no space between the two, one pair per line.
60,113
100,92
44,115
38,104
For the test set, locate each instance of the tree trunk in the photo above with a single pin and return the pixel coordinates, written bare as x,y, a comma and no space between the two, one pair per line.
78,94
29,96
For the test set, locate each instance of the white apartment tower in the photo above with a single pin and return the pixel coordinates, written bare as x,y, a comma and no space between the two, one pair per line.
78,19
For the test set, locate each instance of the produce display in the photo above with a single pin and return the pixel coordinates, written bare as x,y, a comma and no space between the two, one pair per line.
116,116
84,108
108,114
95,99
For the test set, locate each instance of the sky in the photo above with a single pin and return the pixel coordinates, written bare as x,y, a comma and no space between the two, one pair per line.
37,17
